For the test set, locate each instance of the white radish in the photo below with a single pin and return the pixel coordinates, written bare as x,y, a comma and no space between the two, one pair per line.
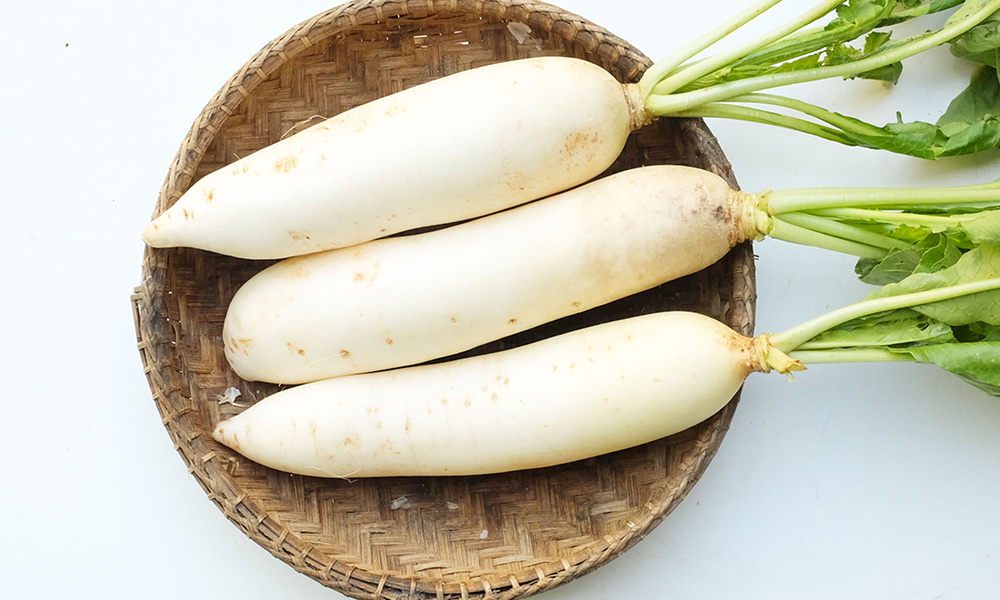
580,394
409,299
454,148
496,136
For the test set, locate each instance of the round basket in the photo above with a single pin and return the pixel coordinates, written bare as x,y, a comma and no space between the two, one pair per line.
501,536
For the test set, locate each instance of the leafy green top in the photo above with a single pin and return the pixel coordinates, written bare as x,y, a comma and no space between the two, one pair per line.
949,317
730,84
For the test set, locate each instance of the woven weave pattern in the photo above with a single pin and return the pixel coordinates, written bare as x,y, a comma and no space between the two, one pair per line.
501,536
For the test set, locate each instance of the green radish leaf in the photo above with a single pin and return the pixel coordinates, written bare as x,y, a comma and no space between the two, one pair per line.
912,234
972,121
933,253
970,124
977,332
924,140
980,43
979,100
915,138
978,363
919,8
810,49
888,329
896,266
843,53
940,253
854,19
982,262
984,227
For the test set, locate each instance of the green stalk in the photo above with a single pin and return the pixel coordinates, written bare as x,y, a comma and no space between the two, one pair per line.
791,339
856,355
924,8
812,199
677,58
753,115
664,105
685,75
843,230
893,218
829,117
785,231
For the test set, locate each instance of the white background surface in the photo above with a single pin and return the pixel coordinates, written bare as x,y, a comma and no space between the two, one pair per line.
851,482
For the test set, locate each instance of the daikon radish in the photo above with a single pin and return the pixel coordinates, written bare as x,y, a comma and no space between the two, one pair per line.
486,139
457,147
406,300
607,387
588,392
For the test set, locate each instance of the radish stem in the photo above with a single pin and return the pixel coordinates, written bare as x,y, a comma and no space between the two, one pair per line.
849,355
665,66
665,103
898,218
841,230
787,341
786,231
809,199
682,84
685,75
737,112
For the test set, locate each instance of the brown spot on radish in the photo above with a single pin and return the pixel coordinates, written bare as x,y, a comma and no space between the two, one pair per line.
468,401
512,322
454,319
301,352
388,341
409,424
295,269
285,164
577,304
353,443
210,195
188,215
575,142
494,396
359,277
345,354
298,236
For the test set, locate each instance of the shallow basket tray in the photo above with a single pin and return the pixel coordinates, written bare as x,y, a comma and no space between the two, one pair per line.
502,536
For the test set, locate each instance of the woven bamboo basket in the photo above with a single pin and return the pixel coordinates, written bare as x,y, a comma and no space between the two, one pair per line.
502,536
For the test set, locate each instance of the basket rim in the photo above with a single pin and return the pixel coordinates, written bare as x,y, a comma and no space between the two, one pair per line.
148,300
